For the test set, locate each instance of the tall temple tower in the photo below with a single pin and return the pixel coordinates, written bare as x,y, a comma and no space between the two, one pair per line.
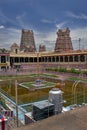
63,42
27,41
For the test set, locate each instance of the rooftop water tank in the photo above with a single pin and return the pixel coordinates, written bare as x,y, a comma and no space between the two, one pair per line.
55,97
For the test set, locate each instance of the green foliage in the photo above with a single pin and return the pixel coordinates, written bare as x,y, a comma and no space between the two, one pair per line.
73,70
2,102
62,69
85,72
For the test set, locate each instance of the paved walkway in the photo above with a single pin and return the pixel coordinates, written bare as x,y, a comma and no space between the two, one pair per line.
73,120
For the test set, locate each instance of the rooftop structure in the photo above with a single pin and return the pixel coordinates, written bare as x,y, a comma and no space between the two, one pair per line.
15,48
42,48
42,110
42,104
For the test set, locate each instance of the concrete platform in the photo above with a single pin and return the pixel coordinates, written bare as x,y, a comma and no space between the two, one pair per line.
72,120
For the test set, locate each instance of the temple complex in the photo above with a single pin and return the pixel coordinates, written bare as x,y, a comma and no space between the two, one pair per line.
25,55
27,41
63,42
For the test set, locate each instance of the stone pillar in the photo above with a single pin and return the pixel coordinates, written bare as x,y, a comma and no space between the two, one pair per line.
33,59
85,58
51,59
59,58
19,59
63,58
0,59
13,59
79,58
68,66
85,61
79,63
47,59
55,58
0,62
6,59
73,59
44,59
68,59
28,59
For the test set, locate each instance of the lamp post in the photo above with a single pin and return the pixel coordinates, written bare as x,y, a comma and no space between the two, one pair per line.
16,98
38,66
79,43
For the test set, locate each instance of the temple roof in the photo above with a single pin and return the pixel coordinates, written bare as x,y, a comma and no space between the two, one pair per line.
14,45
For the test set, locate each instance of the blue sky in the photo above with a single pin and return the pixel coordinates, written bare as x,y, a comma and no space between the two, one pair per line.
44,17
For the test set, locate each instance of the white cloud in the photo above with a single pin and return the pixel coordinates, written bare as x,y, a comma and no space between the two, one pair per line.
1,27
60,25
4,19
77,16
47,39
22,22
46,21
8,36
79,33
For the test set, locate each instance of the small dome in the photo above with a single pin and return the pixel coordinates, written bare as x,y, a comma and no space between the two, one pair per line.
55,91
14,45
58,85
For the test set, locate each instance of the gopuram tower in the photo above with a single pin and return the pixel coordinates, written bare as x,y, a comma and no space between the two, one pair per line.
27,41
63,42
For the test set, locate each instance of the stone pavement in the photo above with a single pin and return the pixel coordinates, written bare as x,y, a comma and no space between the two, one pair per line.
72,120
